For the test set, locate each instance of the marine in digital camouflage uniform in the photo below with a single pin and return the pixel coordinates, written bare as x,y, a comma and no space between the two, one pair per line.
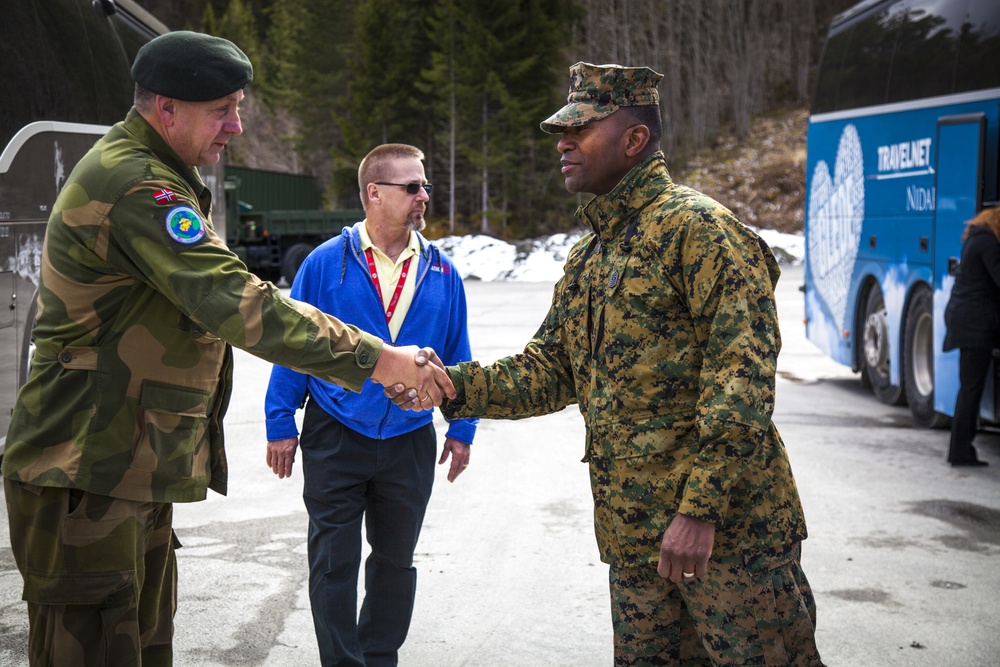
663,330
121,416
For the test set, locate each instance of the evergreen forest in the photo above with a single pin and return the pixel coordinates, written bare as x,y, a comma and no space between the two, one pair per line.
468,81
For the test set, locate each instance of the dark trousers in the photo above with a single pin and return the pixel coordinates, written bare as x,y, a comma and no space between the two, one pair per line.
100,576
973,367
388,482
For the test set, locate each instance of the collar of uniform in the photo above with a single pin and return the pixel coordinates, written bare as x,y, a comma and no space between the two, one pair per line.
609,215
138,127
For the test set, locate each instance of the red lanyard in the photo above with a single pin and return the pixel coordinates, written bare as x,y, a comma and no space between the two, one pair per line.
373,272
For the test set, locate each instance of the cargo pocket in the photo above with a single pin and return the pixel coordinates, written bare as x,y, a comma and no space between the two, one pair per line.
778,615
95,589
98,533
173,430
100,608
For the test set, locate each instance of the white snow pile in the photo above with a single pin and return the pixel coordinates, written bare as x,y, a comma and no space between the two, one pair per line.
481,257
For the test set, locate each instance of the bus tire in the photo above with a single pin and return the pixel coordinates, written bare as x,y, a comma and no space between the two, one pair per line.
875,347
918,359
292,260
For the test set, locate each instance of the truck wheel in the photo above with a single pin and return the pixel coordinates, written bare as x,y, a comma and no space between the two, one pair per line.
293,259
918,353
875,348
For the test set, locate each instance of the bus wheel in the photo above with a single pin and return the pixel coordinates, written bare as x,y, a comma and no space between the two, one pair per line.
293,259
875,347
918,353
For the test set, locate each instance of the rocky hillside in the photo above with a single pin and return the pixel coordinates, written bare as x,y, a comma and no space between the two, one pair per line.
761,179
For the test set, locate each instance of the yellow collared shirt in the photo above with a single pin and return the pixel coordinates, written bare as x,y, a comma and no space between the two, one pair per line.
388,276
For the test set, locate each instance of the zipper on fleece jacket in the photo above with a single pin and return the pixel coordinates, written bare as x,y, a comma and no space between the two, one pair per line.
386,335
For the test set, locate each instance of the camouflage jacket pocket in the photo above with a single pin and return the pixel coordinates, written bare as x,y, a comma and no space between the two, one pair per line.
79,358
639,467
172,424
636,433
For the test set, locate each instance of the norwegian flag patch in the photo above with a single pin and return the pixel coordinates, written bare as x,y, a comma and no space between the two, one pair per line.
164,196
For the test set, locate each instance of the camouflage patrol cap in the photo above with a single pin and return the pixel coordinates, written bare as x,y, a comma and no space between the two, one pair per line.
597,91
191,66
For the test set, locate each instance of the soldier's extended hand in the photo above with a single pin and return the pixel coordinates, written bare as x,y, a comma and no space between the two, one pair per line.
407,399
281,456
685,549
424,384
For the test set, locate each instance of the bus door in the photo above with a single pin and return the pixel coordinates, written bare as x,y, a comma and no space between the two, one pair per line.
961,142
8,332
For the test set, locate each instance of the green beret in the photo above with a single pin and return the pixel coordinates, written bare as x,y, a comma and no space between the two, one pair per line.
597,91
191,66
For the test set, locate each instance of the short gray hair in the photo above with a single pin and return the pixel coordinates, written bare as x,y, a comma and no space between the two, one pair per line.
376,165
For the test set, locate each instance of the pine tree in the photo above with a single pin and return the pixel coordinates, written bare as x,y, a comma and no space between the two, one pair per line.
443,88
387,52
308,54
492,75
239,25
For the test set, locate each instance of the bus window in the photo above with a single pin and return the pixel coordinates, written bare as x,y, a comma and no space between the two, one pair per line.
83,76
978,64
131,33
978,68
828,80
923,64
64,68
866,67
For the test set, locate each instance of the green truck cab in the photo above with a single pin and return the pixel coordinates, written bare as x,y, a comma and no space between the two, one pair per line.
273,220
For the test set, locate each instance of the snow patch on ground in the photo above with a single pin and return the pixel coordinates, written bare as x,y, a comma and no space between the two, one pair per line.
480,257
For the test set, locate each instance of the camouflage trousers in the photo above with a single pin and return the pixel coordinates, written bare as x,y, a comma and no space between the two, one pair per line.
747,610
100,576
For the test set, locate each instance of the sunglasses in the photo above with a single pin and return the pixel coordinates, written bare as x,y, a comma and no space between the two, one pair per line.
412,188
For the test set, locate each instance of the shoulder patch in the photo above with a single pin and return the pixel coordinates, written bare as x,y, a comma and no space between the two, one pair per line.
184,225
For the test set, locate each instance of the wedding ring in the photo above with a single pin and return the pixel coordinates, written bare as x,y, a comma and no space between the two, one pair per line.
687,575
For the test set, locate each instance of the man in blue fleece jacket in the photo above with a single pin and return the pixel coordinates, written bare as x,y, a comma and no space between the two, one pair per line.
361,453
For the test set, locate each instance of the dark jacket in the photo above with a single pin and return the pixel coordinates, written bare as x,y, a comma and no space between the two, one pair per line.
972,317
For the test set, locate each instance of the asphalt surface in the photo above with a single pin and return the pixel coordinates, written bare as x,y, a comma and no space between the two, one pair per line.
902,554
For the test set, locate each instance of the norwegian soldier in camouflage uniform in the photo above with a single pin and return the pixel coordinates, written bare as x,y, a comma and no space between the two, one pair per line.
121,416
663,330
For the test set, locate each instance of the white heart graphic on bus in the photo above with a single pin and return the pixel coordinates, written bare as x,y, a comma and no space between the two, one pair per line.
836,211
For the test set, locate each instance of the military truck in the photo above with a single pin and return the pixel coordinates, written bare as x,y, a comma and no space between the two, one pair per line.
273,220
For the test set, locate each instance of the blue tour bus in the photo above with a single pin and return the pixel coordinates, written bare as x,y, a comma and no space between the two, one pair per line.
902,151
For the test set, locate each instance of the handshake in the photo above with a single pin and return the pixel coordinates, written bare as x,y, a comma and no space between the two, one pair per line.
414,378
